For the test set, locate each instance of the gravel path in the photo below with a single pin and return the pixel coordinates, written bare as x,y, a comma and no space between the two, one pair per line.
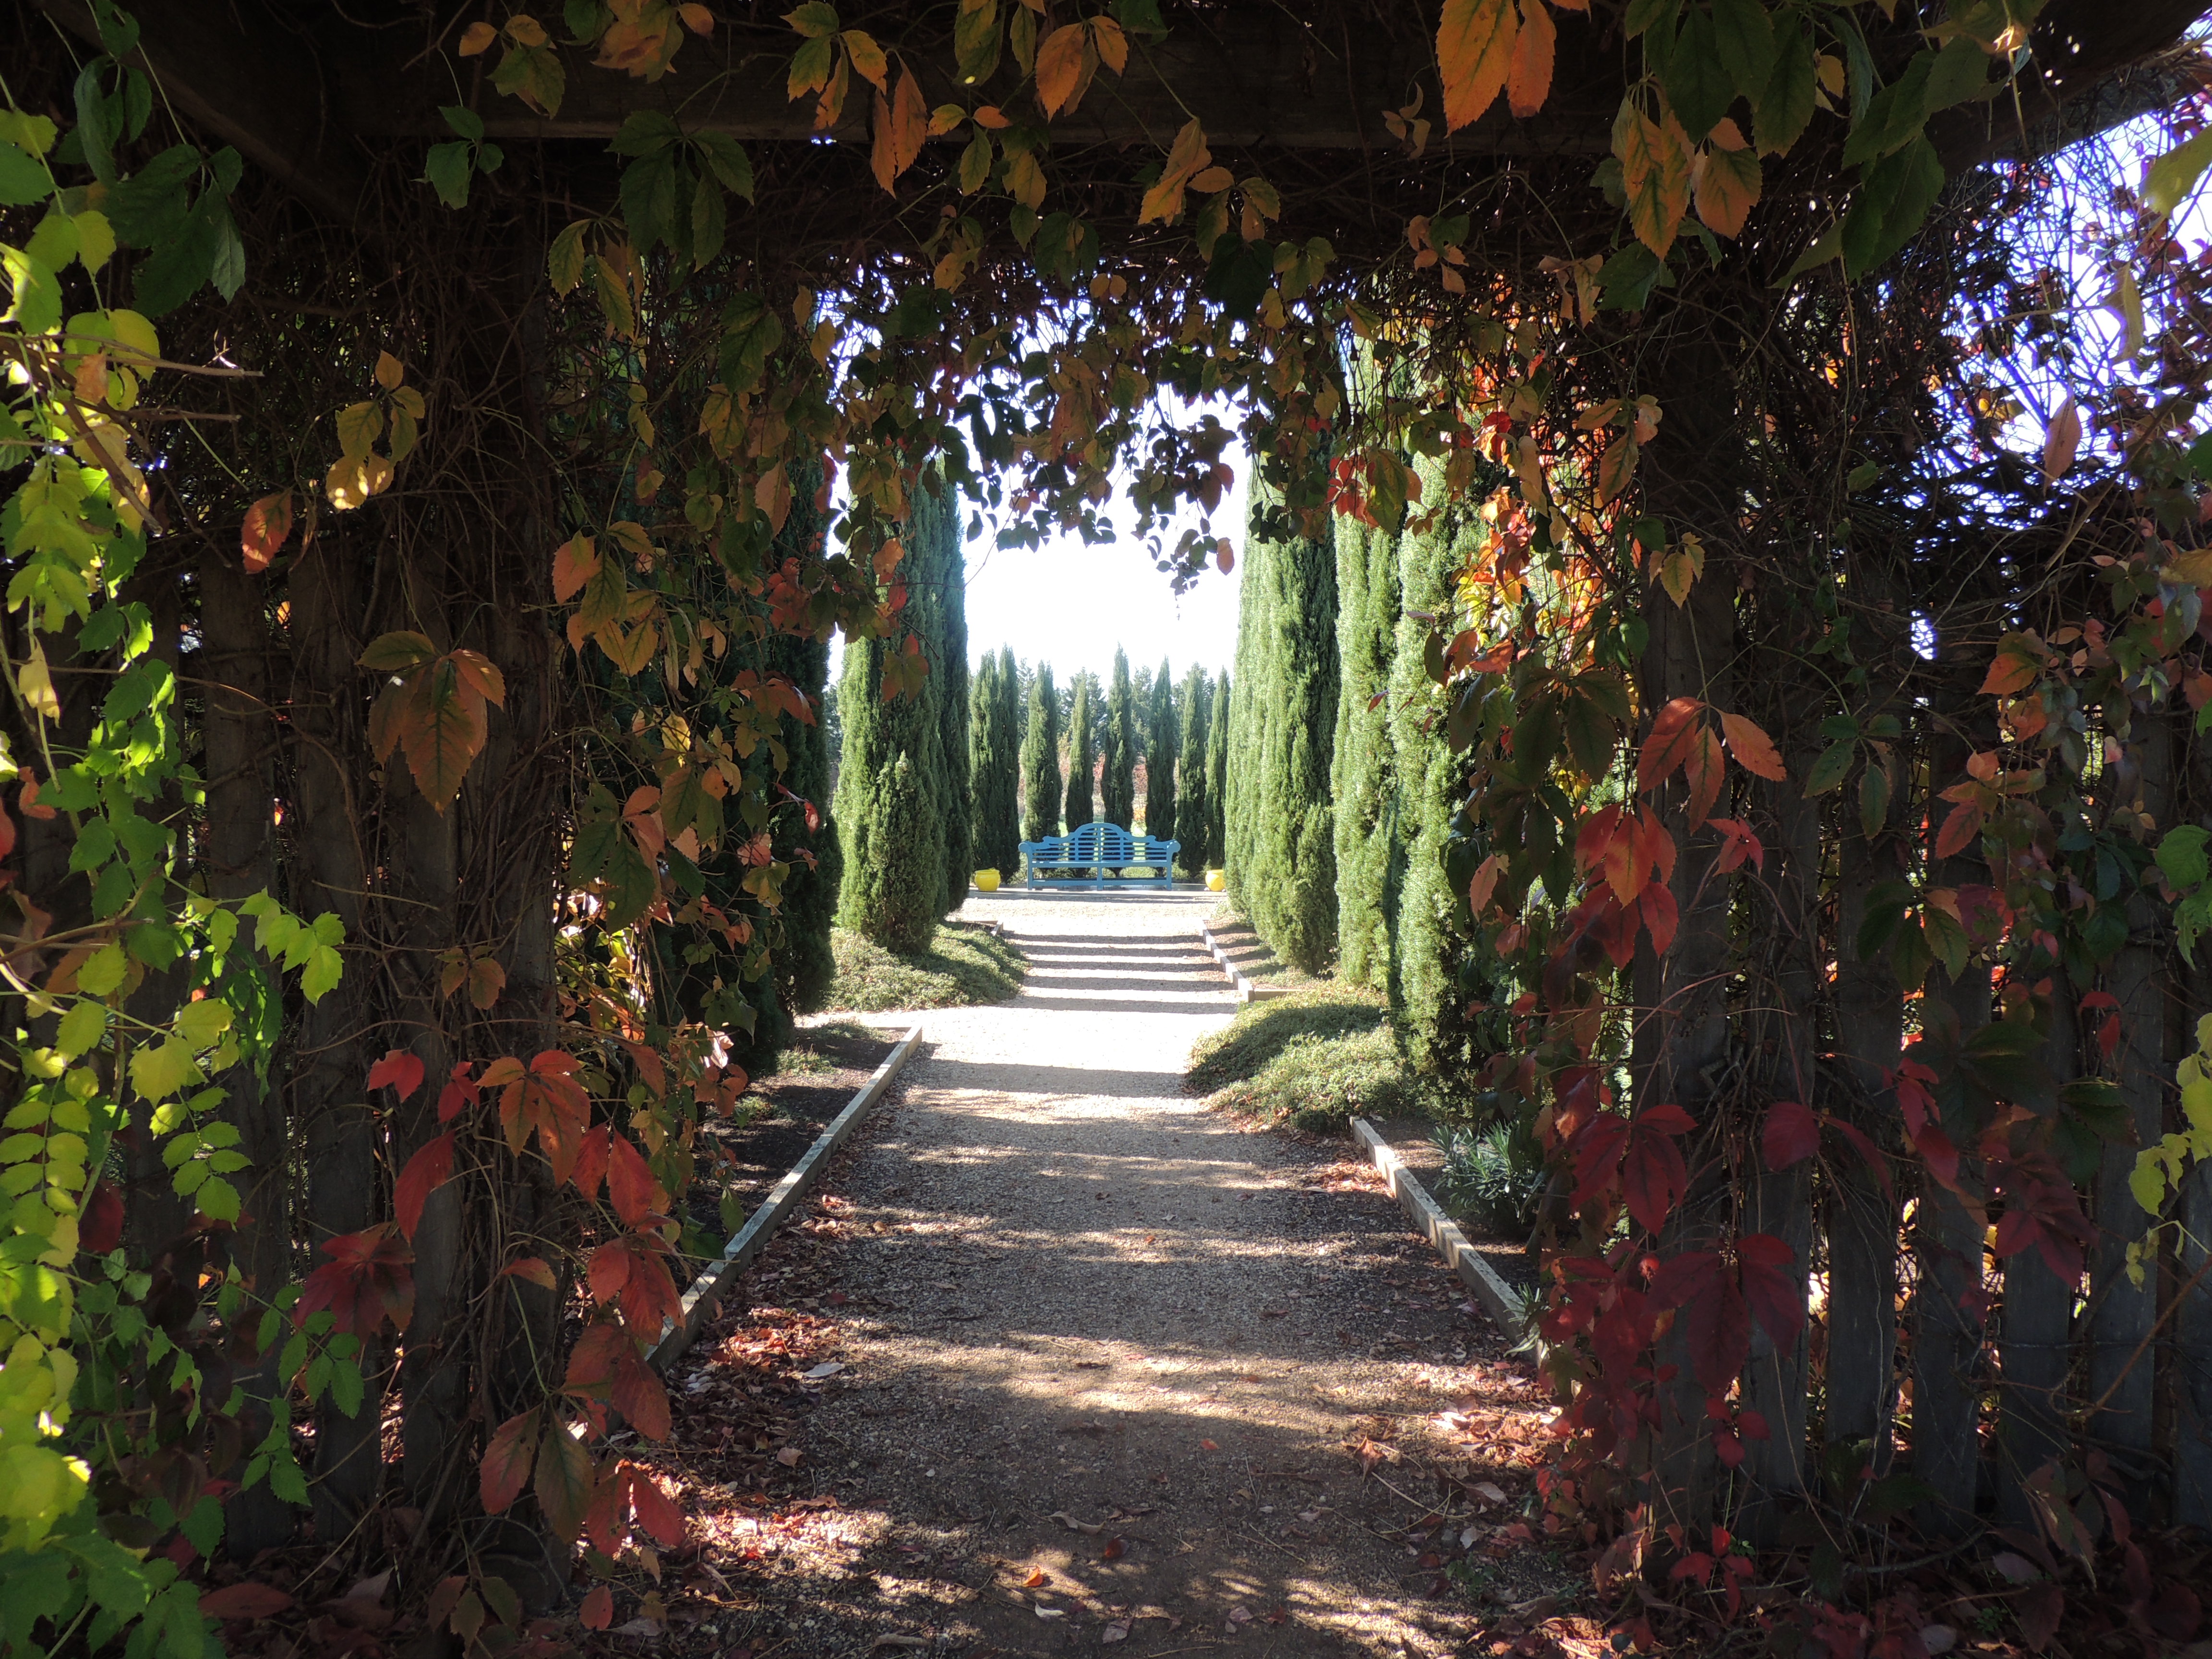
1074,1293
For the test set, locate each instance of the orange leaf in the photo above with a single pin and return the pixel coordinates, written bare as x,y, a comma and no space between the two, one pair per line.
1111,44
597,1610
638,1393
575,562
656,1512
1703,769
1616,467
1728,180
696,17
268,523
532,1268
1668,745
630,1184
477,38
1474,55
2062,441
1188,158
1060,68
1959,831
1753,750
427,1170
1528,83
1485,883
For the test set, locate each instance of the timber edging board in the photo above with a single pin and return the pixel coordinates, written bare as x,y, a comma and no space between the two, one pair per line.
1442,1231
1247,989
702,1301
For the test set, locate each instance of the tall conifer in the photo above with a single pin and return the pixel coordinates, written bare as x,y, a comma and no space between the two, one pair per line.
1288,887
1192,814
1118,786
1082,759
1041,759
994,784
1370,858
1217,772
1161,755
936,572
890,818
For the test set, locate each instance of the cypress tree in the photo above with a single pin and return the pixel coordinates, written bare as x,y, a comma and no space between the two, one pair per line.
1288,884
936,574
1194,814
1370,861
891,822
994,766
1118,787
805,965
1245,733
1161,753
1425,987
1082,760
1217,772
1041,759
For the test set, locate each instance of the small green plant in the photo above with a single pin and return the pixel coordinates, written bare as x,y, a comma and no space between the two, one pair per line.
1318,1083
1262,1030
1491,1176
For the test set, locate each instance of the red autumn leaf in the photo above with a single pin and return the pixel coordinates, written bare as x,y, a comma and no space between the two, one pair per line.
1668,745
268,523
1653,1176
1115,1548
1660,916
247,1601
2040,1608
366,1282
630,1185
100,1227
1776,1294
575,562
1718,1332
1753,750
1959,829
1738,845
630,1271
398,1071
427,1170
1668,1117
649,1066
608,1270
597,1610
656,1512
505,1468
592,1160
1597,1148
639,1394
1791,1134
457,1095
1866,1150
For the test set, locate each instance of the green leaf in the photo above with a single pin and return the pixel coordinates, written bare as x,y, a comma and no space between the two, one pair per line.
1893,117
649,198
92,132
2182,856
814,19
2174,174
1874,800
1744,35
564,262
150,205
1626,281
82,1028
160,1070
448,167
1891,206
22,178
37,306
1831,770
707,222
466,122
1699,85
1961,72
727,160
751,331
1784,109
325,968
400,652
646,132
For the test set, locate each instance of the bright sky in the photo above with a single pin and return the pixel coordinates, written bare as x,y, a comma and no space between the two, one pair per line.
1070,606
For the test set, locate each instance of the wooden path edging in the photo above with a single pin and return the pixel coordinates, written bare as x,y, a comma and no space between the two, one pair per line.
704,1297
1463,1258
1247,989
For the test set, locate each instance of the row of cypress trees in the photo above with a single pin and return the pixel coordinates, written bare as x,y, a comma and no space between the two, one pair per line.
1338,815
1019,793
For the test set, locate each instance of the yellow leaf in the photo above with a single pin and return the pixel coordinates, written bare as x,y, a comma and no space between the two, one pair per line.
942,120
1615,468
359,426
36,683
1654,168
525,31
1188,157
1728,184
696,17
1474,55
867,58
1109,43
2063,442
1529,80
389,372
477,38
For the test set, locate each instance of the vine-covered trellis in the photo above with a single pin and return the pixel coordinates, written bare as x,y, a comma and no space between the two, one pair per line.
422,437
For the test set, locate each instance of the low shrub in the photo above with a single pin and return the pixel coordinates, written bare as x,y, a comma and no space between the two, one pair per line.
1261,1030
1318,1083
1492,1177
961,966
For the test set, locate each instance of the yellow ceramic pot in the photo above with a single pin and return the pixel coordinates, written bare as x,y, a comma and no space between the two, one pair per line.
1216,880
988,880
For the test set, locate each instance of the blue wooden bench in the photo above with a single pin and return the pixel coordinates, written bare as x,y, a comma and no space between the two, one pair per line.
1095,848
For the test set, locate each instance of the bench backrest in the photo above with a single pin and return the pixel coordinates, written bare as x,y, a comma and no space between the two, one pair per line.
1102,843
